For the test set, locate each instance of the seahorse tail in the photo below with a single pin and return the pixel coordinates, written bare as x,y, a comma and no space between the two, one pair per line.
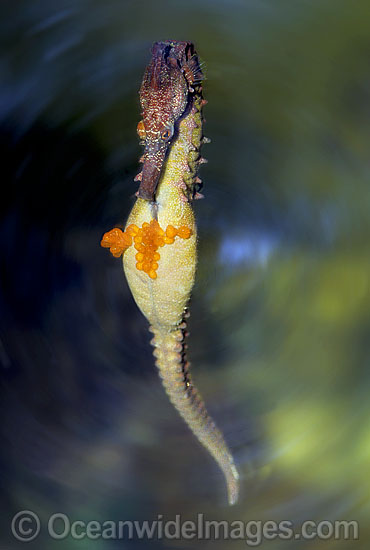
174,372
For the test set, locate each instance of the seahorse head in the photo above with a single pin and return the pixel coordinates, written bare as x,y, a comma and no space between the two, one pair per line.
164,96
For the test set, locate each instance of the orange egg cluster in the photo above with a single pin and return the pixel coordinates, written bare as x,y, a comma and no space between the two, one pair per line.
117,241
147,240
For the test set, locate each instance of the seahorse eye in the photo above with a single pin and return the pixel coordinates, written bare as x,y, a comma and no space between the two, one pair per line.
167,133
141,130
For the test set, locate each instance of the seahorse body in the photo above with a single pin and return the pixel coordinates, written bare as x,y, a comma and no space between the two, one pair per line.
162,294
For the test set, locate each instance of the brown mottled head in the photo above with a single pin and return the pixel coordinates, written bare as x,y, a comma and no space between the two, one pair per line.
164,96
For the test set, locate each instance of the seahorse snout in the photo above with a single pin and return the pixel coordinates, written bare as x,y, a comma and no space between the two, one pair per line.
154,157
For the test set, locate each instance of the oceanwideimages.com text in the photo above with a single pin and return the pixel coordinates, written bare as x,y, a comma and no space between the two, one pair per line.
26,526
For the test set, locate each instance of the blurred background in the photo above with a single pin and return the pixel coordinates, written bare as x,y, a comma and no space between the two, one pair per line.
280,318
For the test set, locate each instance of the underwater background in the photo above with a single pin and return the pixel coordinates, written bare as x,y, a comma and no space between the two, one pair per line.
280,314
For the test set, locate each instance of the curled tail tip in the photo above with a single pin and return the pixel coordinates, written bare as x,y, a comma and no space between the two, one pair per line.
233,486
233,497
233,492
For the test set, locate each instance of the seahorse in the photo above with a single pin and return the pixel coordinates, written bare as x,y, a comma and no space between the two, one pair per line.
159,241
